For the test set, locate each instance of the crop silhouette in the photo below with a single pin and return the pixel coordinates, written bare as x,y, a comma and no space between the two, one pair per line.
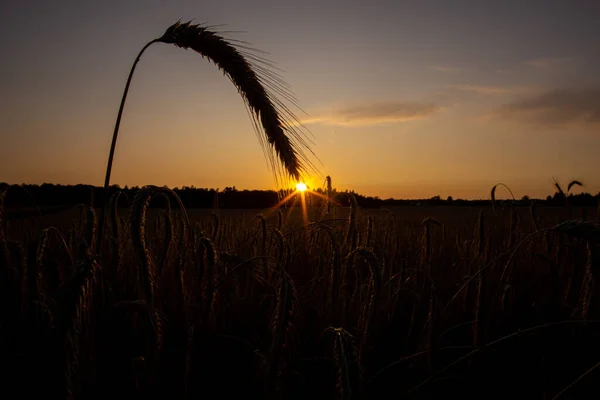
257,84
354,304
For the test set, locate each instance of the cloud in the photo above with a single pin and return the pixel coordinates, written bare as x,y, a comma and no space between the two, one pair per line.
374,113
552,64
445,68
557,107
483,89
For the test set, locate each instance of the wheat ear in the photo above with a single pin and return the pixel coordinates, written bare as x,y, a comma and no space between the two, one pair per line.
257,85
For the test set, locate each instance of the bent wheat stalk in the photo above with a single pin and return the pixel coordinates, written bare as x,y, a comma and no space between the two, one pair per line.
242,68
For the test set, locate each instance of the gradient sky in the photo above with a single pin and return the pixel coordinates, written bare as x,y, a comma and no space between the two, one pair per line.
405,99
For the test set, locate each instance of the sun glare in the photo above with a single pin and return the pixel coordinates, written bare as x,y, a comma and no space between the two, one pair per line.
301,187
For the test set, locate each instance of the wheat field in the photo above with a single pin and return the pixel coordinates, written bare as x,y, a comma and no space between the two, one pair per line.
354,304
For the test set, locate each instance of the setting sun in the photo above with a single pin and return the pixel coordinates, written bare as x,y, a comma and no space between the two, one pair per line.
301,187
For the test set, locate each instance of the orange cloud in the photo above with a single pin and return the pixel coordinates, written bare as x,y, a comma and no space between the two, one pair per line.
374,113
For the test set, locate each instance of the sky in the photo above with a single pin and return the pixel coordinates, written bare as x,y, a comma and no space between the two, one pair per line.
403,99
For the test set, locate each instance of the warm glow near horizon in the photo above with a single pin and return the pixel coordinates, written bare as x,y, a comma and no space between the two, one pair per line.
403,99
301,187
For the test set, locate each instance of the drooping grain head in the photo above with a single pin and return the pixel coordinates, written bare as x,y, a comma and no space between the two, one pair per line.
276,119
586,230
574,183
493,195
349,371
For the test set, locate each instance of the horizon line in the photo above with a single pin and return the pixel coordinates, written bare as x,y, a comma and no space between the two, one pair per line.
219,190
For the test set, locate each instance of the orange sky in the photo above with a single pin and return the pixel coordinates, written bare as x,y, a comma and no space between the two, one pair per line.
405,99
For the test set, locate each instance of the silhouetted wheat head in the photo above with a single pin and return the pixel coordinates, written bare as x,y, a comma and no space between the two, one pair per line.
264,107
259,87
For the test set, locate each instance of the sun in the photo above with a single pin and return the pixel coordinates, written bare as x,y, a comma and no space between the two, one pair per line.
301,187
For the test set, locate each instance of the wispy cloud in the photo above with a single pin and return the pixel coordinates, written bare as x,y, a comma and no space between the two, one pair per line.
446,68
483,89
552,64
383,112
557,107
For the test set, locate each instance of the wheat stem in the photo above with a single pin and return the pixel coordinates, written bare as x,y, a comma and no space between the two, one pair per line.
113,144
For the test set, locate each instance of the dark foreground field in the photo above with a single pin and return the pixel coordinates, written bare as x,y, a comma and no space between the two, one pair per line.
371,304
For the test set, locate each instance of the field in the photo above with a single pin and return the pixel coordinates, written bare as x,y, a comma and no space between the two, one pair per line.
411,302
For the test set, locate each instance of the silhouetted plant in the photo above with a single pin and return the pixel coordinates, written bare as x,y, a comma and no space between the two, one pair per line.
282,130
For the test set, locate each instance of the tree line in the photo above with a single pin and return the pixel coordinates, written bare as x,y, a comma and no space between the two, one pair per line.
48,196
